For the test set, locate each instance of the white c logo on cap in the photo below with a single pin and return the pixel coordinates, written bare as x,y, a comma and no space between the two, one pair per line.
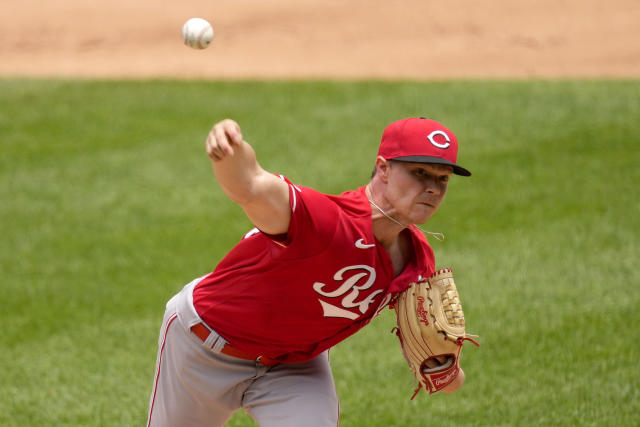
433,141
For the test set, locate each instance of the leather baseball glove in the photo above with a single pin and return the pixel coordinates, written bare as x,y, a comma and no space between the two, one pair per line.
431,330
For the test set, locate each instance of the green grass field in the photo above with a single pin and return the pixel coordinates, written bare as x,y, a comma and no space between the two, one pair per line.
109,206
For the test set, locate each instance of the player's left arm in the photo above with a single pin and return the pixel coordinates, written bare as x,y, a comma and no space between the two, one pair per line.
455,384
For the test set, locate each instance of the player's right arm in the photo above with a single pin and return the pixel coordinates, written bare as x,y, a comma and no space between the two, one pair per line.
263,196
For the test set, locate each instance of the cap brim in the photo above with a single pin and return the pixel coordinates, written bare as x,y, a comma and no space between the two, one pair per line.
458,170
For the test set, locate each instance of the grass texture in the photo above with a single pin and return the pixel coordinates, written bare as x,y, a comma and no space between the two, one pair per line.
109,206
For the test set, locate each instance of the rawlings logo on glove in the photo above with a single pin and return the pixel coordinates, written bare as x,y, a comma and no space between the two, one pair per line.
431,330
422,313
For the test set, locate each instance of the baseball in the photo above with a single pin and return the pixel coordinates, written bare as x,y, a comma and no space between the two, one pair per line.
197,33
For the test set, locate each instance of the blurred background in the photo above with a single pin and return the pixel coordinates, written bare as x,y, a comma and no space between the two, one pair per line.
333,38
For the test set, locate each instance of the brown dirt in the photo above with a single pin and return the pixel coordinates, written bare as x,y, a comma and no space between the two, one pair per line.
416,39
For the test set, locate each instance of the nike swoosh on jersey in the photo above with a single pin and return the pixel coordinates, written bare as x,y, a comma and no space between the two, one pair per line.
361,245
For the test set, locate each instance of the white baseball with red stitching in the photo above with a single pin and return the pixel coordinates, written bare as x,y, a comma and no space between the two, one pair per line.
197,33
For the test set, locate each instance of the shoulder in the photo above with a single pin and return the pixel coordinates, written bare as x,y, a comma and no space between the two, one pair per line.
354,202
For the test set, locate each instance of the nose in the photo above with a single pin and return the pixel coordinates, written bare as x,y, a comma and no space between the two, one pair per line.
432,187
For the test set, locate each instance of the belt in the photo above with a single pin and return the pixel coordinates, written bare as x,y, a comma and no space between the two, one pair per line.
202,332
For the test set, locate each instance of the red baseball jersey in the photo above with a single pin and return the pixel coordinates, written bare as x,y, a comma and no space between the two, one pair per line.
292,298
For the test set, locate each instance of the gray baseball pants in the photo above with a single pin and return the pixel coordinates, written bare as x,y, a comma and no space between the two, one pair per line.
196,385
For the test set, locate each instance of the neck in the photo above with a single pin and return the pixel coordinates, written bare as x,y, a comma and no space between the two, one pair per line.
385,228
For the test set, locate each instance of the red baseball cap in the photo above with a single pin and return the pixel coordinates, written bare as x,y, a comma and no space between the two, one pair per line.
421,141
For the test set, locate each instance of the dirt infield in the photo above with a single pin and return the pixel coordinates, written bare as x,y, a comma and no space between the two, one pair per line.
417,39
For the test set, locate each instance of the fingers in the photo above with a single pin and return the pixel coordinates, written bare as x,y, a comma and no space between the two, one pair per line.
436,361
442,359
223,136
430,363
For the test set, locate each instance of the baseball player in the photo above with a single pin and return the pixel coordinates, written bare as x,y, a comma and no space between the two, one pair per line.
255,333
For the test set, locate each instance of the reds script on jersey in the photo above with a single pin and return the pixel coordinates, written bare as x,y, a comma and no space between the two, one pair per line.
294,297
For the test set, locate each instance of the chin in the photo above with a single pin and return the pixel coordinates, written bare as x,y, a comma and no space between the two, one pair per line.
419,219
422,216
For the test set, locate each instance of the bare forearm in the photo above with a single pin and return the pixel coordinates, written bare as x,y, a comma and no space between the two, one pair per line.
236,174
263,196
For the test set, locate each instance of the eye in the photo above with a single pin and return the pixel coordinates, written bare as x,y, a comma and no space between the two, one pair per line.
444,178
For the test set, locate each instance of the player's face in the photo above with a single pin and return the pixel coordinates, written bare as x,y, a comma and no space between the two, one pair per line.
416,189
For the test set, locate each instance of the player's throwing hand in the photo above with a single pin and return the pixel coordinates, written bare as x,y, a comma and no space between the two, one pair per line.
223,136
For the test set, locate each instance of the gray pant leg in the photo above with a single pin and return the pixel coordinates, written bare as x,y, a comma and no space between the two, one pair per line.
193,385
295,395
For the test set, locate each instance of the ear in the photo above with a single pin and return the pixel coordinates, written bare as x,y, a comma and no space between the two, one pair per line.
383,168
